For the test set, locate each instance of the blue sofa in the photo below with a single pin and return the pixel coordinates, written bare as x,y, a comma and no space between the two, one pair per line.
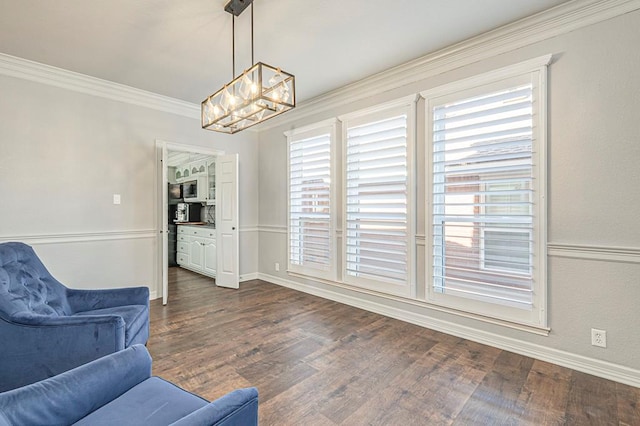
47,328
118,389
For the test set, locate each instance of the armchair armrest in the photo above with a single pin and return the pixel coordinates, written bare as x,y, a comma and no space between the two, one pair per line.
237,408
70,396
25,318
88,300
51,345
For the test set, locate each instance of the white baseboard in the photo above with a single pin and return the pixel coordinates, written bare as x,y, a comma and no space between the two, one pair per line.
604,369
248,277
153,295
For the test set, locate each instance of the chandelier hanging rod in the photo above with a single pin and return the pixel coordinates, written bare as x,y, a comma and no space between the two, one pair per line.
233,10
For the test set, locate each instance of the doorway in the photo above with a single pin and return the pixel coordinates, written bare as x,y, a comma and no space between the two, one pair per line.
214,209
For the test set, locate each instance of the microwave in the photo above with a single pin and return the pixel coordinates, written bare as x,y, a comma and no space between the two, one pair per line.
195,190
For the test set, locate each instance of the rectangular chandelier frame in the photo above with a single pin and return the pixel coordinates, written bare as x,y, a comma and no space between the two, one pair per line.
258,94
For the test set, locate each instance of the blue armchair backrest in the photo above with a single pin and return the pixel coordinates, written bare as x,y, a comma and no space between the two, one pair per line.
26,287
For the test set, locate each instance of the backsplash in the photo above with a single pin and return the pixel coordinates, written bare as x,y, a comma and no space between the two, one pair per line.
209,214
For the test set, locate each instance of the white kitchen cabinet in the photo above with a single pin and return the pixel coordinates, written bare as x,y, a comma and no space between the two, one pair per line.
182,173
197,249
210,257
211,170
196,253
191,170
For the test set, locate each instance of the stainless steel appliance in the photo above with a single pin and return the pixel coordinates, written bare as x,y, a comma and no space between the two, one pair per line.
195,190
188,212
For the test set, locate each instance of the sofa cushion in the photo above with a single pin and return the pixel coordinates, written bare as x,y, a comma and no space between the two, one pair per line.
135,319
152,402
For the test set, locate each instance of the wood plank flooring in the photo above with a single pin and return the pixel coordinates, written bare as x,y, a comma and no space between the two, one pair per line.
318,362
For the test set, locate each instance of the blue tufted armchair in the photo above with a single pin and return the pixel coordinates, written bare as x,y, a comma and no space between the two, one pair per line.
47,328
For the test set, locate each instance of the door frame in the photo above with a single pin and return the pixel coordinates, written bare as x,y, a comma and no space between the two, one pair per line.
162,228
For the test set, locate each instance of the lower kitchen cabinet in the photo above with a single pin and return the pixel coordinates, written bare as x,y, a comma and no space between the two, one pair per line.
196,253
197,249
210,257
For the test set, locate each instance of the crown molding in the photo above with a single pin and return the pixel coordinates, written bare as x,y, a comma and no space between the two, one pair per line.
13,66
559,20
553,22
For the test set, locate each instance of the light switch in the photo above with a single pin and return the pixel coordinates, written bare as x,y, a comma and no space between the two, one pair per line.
116,198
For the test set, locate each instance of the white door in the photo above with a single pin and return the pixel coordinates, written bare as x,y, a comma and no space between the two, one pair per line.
227,268
164,227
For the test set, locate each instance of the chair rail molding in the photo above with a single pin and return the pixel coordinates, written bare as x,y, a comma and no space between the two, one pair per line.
81,237
593,252
275,229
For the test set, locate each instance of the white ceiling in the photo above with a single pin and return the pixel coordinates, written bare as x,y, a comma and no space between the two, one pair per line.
182,48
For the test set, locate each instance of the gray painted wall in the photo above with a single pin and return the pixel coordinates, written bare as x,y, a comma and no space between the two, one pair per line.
593,197
63,155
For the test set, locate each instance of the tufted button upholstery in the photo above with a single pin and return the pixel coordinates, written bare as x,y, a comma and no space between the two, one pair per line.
26,286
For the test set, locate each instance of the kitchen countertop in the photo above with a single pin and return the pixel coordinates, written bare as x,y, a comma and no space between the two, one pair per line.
199,224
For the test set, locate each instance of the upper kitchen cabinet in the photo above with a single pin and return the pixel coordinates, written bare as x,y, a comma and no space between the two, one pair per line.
211,170
191,170
199,168
182,173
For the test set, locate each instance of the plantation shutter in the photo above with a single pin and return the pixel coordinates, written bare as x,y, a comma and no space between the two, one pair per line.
310,209
376,234
483,197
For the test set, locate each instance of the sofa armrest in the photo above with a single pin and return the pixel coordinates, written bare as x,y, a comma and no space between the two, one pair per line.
70,396
89,300
237,408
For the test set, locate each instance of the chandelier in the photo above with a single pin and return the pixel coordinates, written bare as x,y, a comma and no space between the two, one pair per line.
259,93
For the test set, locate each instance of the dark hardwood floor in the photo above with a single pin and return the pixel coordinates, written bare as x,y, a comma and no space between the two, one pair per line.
318,362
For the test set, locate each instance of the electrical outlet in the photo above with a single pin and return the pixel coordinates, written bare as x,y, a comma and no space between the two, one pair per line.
598,338
277,266
116,199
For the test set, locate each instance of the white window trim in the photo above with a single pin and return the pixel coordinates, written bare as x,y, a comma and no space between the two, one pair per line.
327,126
406,105
536,70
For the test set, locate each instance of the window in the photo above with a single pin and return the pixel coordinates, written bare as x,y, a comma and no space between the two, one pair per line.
311,229
377,186
486,244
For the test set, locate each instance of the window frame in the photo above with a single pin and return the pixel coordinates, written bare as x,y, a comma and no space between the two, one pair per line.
329,127
406,105
535,72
